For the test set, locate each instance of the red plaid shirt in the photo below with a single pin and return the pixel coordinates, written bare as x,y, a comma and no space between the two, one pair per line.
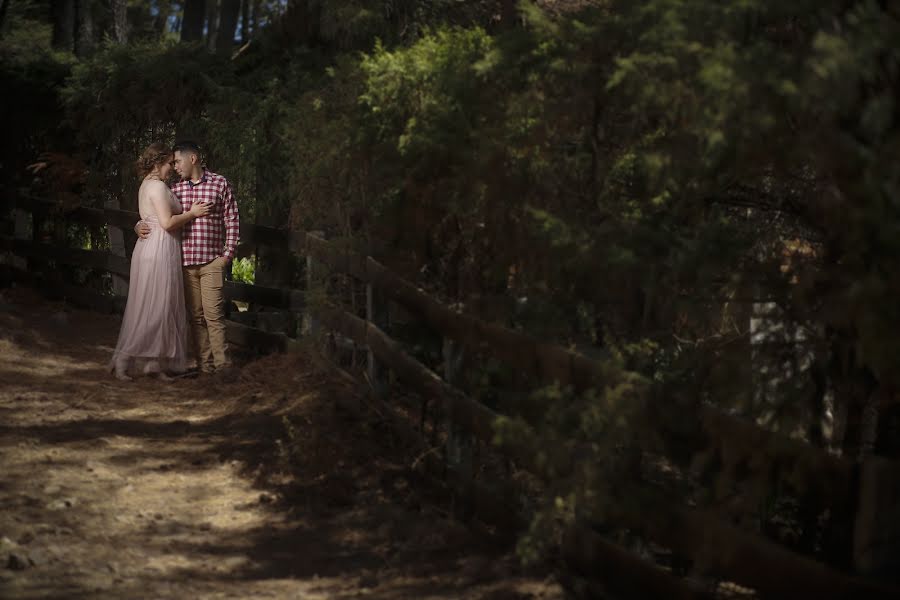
207,238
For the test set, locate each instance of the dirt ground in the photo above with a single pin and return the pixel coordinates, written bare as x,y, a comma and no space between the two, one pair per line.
261,488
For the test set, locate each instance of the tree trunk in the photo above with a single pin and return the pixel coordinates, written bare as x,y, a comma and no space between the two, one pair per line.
245,21
301,21
116,238
162,17
509,14
212,23
254,14
84,32
119,9
64,24
853,385
192,21
4,6
228,18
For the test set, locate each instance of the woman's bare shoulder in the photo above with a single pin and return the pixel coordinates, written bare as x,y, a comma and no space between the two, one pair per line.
150,187
154,185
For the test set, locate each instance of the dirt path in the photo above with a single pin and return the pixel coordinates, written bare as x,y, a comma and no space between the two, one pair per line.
193,489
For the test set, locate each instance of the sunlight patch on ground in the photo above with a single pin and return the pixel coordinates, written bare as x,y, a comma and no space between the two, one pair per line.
44,365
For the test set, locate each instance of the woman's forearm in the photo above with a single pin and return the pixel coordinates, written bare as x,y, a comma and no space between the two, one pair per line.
178,221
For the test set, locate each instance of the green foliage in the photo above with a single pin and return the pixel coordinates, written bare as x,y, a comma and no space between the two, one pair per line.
326,165
421,95
243,270
31,73
650,162
139,87
585,444
125,97
355,24
25,34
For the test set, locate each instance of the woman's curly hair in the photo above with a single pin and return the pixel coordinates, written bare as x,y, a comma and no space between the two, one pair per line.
156,154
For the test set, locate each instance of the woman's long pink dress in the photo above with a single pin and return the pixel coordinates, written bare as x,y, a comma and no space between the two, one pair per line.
154,333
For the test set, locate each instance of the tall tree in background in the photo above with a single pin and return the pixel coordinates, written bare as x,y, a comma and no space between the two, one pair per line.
245,21
4,6
508,13
212,23
302,20
162,17
192,21
84,31
63,24
119,10
228,19
254,13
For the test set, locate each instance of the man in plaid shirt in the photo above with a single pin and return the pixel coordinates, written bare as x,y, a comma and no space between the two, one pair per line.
208,245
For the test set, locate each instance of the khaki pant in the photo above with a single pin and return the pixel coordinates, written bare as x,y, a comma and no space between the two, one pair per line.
204,293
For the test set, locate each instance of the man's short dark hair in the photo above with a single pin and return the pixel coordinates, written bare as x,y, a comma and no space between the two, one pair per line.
186,146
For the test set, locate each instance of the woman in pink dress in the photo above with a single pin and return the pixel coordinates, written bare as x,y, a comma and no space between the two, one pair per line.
154,334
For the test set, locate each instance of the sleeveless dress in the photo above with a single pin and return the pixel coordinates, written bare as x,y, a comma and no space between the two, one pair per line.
154,333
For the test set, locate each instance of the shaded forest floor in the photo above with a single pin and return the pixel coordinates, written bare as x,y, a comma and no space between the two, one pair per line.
261,488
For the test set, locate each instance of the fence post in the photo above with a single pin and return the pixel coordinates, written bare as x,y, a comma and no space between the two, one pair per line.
55,280
459,441
377,314
117,248
313,276
876,531
21,231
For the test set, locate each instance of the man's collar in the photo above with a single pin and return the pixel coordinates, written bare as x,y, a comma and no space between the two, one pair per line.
203,179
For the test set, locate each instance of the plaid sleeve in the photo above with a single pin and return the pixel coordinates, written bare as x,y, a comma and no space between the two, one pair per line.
232,222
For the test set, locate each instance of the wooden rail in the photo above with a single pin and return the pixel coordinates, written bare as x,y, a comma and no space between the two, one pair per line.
741,556
291,300
552,363
728,551
94,259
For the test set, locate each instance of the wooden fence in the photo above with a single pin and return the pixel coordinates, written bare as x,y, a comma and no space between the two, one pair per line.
870,491
34,250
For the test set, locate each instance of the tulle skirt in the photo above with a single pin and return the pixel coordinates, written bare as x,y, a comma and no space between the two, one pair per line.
154,333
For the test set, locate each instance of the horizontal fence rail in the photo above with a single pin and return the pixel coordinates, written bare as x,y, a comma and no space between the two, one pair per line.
728,551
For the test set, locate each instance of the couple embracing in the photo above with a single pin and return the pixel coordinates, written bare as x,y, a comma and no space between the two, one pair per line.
188,235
